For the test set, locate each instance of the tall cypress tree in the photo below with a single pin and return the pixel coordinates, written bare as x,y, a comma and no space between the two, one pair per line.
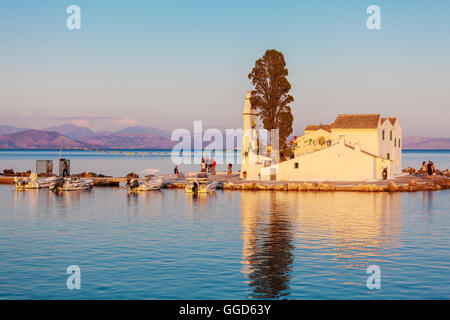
271,97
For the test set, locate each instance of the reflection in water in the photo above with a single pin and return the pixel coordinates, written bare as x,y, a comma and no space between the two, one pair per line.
199,205
61,202
350,226
354,224
267,252
227,245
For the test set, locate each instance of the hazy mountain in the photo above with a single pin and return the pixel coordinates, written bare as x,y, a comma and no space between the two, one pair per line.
10,129
128,141
138,137
69,135
425,143
37,139
72,131
144,130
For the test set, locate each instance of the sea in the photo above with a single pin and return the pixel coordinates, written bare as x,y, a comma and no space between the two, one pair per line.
225,245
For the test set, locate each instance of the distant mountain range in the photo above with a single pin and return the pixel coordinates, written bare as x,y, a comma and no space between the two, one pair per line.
37,139
10,129
426,143
136,137
71,136
72,131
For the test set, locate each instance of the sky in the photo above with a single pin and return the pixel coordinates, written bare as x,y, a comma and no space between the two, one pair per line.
167,63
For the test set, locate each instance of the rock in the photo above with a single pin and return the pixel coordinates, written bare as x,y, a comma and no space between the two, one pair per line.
91,175
228,186
264,187
132,175
391,187
8,172
409,170
412,182
292,186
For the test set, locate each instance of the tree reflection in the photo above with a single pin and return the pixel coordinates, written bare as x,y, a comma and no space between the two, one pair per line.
268,245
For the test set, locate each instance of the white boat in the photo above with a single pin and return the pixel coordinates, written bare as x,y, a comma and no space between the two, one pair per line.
33,182
71,184
136,185
200,184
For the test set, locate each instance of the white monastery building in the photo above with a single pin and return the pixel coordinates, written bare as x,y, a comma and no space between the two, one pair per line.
355,147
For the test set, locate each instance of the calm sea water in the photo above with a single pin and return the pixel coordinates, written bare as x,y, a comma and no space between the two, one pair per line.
228,245
120,164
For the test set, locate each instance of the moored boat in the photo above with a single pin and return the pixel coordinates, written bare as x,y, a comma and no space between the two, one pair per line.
137,185
200,184
71,184
33,182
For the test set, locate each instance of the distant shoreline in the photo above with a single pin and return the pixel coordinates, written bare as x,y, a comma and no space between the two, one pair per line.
169,149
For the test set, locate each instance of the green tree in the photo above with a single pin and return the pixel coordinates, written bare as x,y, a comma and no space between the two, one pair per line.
271,97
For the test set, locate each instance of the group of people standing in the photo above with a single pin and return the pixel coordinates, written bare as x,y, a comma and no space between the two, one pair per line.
428,170
209,165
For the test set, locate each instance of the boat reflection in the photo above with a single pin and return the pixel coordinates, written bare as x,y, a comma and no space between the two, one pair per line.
35,200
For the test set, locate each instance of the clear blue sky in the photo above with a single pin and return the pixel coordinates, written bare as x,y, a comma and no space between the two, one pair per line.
168,63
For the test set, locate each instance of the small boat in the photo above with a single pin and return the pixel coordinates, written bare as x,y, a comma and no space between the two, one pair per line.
200,184
71,184
137,185
33,182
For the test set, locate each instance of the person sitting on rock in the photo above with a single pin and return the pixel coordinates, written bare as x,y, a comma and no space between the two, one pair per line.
230,166
175,171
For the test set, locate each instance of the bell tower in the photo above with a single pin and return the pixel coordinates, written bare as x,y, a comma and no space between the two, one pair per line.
249,133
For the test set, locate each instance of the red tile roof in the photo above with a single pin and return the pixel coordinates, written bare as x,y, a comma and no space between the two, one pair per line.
392,120
326,127
356,121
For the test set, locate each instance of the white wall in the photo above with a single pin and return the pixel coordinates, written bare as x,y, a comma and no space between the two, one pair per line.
397,148
336,163
386,145
366,138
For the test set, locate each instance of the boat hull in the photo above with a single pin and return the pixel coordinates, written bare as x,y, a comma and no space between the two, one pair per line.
73,185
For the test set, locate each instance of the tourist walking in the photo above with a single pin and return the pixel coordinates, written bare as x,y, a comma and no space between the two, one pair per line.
230,166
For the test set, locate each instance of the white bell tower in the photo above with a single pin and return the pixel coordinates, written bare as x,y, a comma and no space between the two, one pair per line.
249,135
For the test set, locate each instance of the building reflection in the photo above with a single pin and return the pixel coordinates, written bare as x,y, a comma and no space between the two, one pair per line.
354,225
349,230
267,249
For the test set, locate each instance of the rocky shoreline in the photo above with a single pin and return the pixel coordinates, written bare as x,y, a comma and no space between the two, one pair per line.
411,182
412,186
